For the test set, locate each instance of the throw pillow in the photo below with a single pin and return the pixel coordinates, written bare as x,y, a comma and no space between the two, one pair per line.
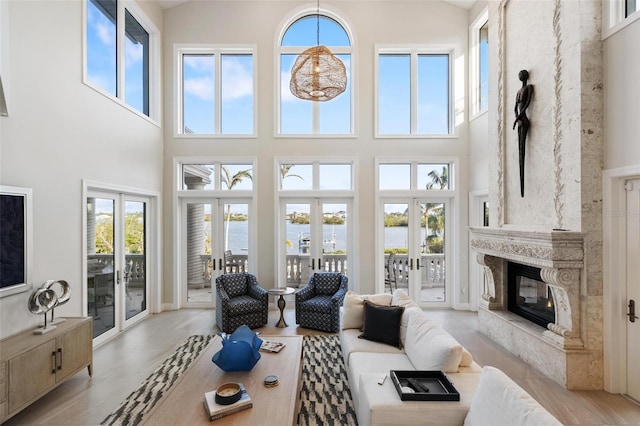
382,323
430,347
353,307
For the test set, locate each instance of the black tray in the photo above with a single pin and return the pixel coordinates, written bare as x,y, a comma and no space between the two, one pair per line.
439,386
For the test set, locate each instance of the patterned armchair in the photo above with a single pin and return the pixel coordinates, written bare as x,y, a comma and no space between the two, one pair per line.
240,300
318,303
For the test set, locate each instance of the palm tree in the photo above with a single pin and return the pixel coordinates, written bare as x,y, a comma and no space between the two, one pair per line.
439,179
285,169
231,181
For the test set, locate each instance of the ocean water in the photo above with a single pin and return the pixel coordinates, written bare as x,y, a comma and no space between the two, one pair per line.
395,237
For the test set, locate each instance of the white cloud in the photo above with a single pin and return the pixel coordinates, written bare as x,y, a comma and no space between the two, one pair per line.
202,87
105,33
237,80
199,62
133,53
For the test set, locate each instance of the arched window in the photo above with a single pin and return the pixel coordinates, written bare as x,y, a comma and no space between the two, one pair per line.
302,117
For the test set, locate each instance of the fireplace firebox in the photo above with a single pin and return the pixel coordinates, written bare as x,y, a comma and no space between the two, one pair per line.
529,296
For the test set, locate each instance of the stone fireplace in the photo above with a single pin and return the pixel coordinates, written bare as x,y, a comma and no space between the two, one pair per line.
556,223
558,350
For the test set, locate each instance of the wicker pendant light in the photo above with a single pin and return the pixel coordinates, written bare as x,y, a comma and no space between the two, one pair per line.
317,75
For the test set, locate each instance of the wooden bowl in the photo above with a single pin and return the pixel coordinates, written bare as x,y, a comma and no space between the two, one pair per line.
228,393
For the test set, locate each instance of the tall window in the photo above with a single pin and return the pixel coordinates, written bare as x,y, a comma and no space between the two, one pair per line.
303,117
413,92
119,69
479,63
216,90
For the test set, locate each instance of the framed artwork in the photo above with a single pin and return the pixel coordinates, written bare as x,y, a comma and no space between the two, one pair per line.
16,240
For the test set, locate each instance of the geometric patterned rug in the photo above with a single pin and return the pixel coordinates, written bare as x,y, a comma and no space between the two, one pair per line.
325,398
142,400
324,395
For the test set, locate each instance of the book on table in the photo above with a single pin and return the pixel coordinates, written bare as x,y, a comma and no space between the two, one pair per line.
271,346
216,411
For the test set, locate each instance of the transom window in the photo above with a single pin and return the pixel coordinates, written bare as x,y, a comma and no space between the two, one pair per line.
216,176
216,87
316,176
413,92
414,176
121,70
303,117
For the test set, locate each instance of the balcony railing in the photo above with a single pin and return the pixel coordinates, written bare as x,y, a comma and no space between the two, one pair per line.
134,268
432,270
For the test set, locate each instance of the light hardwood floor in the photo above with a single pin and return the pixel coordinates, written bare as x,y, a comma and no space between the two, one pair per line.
121,364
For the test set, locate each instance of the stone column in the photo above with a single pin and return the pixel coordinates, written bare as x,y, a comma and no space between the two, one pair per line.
195,235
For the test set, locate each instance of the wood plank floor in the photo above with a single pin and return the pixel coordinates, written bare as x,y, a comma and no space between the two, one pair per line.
121,364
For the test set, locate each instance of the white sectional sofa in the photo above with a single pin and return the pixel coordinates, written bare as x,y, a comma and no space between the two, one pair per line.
424,345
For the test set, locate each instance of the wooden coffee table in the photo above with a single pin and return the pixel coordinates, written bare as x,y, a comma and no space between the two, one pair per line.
182,405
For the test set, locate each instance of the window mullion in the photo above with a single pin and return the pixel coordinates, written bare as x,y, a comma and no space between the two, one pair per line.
414,93
120,50
217,63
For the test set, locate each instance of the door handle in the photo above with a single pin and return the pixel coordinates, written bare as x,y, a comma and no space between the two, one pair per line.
417,263
313,264
118,276
632,311
319,263
220,264
411,264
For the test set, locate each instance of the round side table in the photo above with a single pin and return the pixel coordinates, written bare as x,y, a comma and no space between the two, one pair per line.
281,302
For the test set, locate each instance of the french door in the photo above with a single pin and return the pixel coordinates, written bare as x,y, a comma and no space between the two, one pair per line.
117,244
633,289
414,241
316,236
215,240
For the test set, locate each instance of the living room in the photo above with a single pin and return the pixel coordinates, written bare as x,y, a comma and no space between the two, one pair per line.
67,140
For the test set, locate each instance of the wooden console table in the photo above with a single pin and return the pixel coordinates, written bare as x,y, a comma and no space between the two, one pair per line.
182,404
33,364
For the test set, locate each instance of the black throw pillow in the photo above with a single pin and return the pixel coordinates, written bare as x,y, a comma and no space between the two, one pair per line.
382,323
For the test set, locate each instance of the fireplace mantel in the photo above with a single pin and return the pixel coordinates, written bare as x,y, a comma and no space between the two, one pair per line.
560,256
544,249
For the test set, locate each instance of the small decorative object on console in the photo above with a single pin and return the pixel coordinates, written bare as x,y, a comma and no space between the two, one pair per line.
216,411
271,346
415,385
228,393
239,350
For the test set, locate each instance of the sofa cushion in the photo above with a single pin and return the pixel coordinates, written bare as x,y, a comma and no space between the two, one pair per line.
500,401
404,321
429,347
350,343
373,362
401,298
353,307
382,323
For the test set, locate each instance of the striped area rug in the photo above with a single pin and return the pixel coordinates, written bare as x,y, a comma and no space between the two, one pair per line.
324,395
142,400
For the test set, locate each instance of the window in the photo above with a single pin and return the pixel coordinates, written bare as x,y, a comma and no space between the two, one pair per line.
214,176
413,92
630,6
131,81
618,15
414,176
216,90
303,117
479,63
316,176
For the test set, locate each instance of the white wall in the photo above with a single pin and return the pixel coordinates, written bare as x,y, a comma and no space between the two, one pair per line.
622,97
372,22
60,132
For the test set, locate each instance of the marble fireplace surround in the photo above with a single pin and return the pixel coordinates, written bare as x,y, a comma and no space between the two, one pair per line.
558,351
